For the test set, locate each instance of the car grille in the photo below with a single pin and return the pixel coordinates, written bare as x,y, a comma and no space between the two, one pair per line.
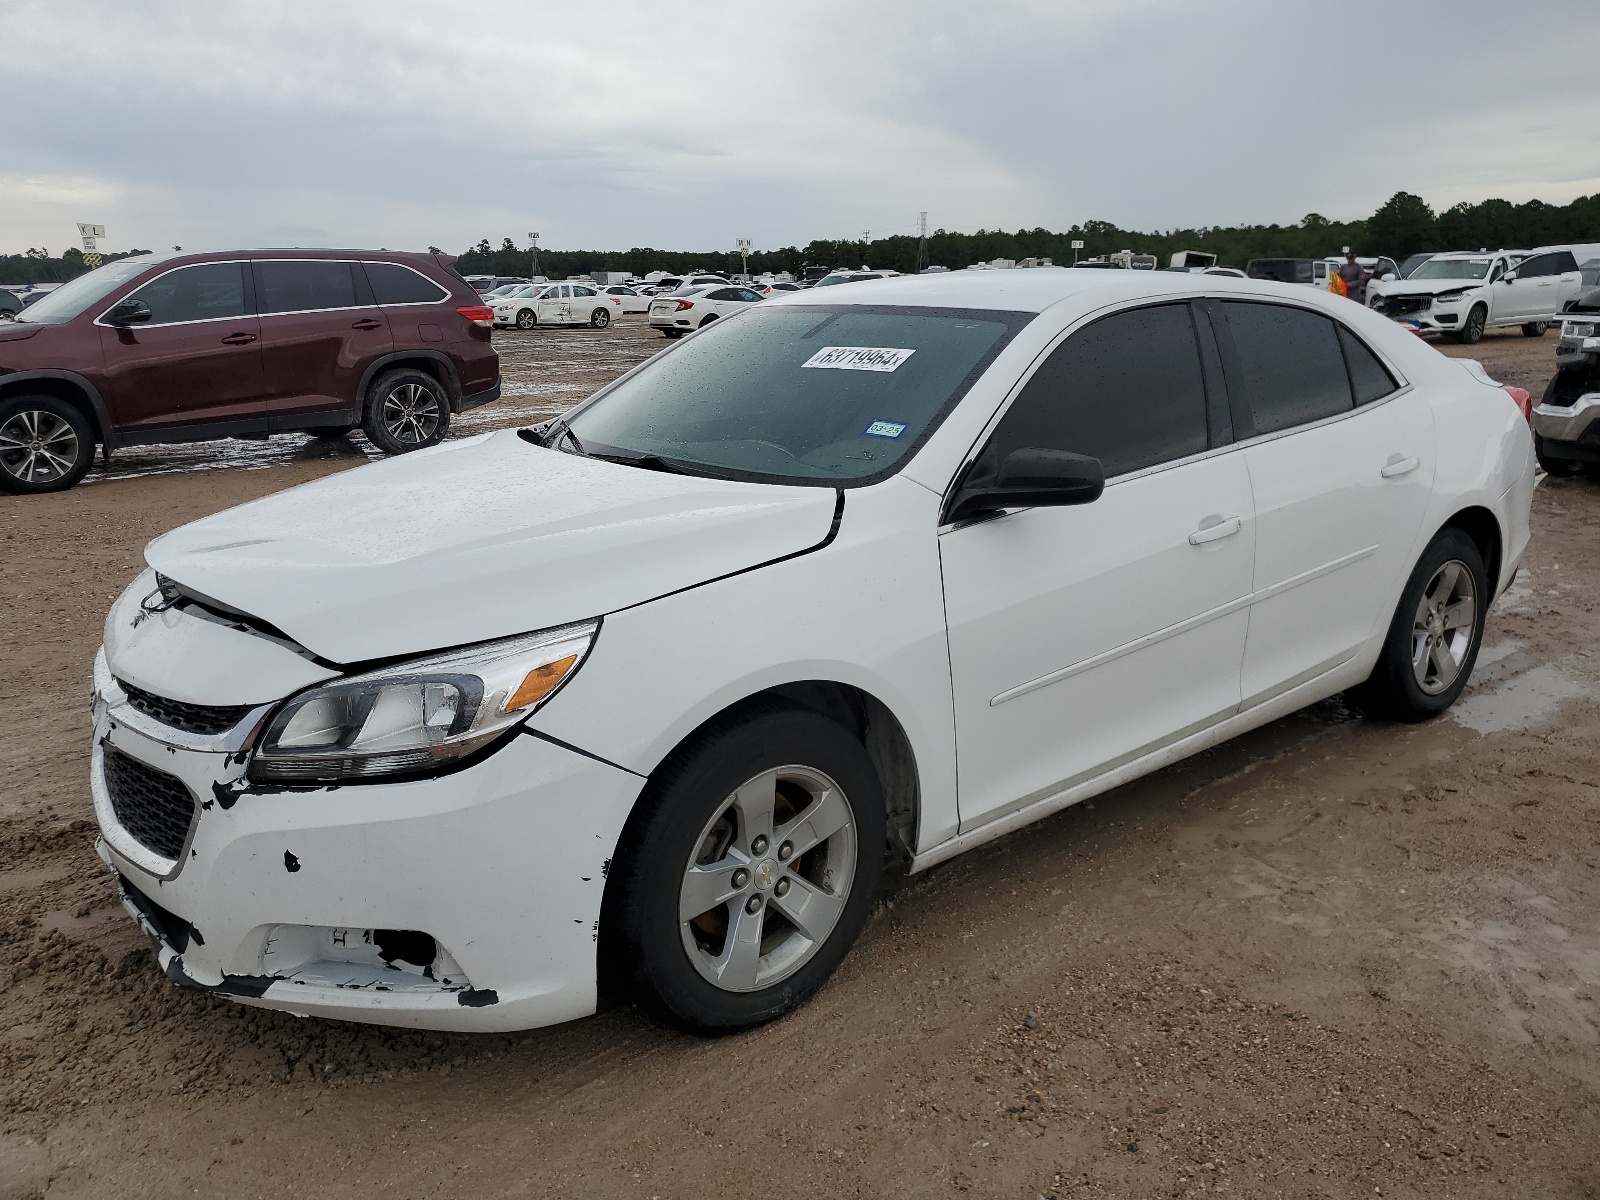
1402,306
154,807
191,718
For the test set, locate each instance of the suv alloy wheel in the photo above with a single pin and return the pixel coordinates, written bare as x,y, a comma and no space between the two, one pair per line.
46,445
406,410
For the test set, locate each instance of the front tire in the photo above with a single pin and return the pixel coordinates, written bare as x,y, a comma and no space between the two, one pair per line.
527,318
1432,643
406,410
1535,328
748,871
46,445
1472,331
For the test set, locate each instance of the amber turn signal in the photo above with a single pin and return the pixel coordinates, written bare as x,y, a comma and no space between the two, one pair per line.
539,683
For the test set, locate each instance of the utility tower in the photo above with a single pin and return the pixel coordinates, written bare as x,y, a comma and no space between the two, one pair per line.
922,242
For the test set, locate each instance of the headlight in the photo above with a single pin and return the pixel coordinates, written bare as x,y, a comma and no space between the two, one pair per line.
418,714
1450,297
1577,329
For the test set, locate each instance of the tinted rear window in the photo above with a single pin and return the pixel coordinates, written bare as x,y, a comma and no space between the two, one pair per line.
301,286
1291,369
204,292
1369,379
395,284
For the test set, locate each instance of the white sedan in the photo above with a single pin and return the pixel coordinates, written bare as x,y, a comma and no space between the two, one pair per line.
655,685
691,308
555,304
626,299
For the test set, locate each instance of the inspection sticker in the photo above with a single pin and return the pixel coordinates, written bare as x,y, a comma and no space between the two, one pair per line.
888,429
858,358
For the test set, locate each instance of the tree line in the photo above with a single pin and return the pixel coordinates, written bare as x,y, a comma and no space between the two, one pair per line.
1403,225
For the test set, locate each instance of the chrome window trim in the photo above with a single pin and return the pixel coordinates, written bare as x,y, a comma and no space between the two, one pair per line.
220,262
1107,310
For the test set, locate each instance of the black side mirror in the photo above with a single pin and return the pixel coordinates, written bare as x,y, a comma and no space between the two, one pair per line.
1031,477
131,311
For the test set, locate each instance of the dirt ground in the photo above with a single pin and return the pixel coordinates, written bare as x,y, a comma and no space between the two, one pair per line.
1333,958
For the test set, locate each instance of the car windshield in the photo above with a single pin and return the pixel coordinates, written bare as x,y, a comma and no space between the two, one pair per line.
797,394
70,299
1453,268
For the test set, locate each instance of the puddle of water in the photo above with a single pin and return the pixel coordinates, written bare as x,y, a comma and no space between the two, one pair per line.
1521,702
1501,649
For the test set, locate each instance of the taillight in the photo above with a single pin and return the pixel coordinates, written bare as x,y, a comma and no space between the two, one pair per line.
1523,399
616,299
478,314
683,304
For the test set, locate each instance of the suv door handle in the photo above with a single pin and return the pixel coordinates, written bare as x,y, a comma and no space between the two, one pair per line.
1215,533
238,339
366,323
1397,466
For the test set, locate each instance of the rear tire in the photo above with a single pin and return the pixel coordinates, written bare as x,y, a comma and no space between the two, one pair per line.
1433,640
46,445
1535,328
710,317
599,318
406,410
1472,331
773,820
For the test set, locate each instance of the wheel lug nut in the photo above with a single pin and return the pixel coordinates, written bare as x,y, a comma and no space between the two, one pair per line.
759,846
753,905
781,888
785,850
741,877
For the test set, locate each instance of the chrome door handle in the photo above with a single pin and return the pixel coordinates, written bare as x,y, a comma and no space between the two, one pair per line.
1215,533
1397,466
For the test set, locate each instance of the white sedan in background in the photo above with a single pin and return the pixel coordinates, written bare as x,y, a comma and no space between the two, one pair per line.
691,308
626,299
556,304
649,692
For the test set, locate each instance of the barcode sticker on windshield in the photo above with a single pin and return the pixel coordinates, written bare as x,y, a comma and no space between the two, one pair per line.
858,358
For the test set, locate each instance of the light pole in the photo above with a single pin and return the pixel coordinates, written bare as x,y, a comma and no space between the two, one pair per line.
922,242
533,239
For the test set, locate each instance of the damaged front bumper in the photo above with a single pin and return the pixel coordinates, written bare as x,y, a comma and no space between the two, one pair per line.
467,901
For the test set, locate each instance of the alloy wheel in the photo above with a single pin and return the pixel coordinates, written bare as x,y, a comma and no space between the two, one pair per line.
37,446
1443,627
411,414
769,879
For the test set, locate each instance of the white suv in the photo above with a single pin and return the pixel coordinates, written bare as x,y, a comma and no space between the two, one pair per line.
1464,294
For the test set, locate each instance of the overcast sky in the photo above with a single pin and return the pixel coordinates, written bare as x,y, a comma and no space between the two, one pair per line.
683,124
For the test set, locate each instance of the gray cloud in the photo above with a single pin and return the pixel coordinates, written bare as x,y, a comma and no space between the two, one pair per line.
684,126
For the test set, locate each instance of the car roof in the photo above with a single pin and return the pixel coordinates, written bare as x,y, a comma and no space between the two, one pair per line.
1037,288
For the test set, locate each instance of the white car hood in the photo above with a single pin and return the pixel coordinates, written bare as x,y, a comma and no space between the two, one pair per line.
480,538
1424,287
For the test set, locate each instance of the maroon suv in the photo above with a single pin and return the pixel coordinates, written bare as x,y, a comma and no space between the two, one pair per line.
245,343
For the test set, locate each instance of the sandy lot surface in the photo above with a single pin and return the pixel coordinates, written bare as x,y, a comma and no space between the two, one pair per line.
1333,958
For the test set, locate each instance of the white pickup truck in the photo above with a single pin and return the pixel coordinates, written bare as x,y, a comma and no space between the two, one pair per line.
1464,294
